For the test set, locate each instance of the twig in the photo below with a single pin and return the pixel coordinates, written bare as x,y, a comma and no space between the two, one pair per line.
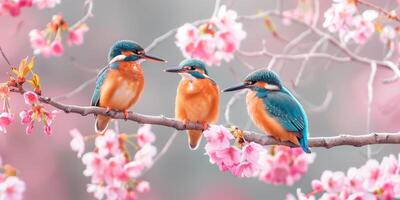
5,57
303,64
89,13
381,10
76,90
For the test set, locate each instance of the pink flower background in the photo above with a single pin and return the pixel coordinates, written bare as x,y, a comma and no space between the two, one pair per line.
51,170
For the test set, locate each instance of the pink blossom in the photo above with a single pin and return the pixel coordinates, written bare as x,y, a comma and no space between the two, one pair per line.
363,30
146,154
388,34
249,165
213,41
333,181
30,98
77,143
12,188
13,7
114,175
5,120
134,169
284,165
217,137
108,143
371,181
143,187
145,136
39,43
57,48
75,36
42,4
95,164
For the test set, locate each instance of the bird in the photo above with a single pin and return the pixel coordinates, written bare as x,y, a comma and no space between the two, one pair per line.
120,84
274,109
197,98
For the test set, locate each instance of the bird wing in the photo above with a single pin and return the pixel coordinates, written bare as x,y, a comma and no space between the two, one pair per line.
286,110
99,82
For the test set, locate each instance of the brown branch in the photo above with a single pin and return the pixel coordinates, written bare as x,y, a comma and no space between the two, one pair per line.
329,142
326,142
388,14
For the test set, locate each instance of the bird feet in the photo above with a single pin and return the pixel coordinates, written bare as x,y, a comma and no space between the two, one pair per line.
126,114
204,125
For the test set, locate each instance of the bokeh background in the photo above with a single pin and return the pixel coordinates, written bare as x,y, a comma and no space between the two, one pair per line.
52,171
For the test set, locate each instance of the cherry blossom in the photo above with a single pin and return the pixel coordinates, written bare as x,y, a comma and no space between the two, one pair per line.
277,165
213,41
42,4
49,42
11,186
143,187
145,136
371,181
36,113
114,173
77,143
284,165
343,17
75,36
6,119
13,7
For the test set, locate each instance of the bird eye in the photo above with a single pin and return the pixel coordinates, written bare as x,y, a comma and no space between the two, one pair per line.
250,82
188,68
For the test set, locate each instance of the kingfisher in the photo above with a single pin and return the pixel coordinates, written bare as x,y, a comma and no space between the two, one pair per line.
197,98
120,84
274,109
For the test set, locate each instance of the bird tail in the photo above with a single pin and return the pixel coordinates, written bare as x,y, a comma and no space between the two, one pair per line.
101,124
304,142
194,138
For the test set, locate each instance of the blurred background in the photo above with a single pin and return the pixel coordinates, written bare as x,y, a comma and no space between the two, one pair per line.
52,171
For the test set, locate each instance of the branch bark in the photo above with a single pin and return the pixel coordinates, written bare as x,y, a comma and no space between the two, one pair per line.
326,142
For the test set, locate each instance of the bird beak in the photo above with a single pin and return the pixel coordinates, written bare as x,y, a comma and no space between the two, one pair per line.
152,58
239,87
176,70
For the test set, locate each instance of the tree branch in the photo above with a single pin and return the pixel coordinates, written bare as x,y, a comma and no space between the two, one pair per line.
327,142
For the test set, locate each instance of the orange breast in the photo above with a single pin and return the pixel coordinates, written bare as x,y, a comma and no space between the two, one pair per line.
197,100
261,118
122,87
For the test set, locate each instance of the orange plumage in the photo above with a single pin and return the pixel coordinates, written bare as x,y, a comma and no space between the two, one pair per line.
265,122
121,89
197,100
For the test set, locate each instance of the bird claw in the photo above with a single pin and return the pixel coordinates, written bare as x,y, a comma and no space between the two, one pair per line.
108,109
204,125
186,122
126,114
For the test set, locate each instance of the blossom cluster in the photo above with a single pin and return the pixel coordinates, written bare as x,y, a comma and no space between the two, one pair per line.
371,181
113,171
13,7
279,165
36,113
213,41
11,187
343,17
48,42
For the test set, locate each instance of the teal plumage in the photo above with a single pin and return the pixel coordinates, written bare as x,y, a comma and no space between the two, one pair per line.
285,108
99,82
279,104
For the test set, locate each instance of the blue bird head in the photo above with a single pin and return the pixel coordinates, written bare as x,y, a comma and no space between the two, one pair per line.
191,69
260,80
126,50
